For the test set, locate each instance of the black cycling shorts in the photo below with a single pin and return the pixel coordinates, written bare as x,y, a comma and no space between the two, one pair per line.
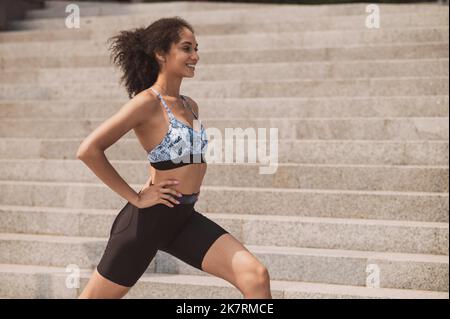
137,234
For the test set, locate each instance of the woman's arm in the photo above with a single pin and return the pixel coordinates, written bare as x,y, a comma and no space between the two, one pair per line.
92,149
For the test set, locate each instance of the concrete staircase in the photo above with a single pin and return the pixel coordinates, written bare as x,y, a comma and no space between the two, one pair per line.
363,150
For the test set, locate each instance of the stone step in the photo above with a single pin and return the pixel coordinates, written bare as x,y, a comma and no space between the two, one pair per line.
352,152
289,231
380,86
413,206
345,267
41,282
231,15
262,71
395,20
56,9
401,271
246,108
252,41
374,51
308,176
432,128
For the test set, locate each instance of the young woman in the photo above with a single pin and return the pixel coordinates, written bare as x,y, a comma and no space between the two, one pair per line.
162,215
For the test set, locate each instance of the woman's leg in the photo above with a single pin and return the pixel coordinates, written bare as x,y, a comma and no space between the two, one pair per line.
127,254
227,258
207,246
99,287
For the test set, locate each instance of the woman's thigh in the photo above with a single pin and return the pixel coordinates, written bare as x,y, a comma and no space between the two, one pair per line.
205,245
194,239
128,251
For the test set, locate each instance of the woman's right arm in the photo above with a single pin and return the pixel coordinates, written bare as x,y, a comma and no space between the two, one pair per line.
92,149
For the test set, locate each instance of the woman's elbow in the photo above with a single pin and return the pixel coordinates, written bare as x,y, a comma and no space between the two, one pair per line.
81,153
85,150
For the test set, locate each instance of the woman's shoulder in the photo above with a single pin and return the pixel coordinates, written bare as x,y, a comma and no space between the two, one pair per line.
146,99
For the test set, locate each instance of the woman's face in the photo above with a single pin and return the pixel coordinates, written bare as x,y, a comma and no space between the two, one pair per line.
184,53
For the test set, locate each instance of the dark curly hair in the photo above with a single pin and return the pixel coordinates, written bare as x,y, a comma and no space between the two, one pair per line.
134,51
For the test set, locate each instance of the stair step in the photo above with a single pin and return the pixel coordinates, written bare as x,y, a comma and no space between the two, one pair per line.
290,231
421,178
374,51
339,22
212,72
387,86
366,152
252,41
22,281
365,128
233,15
246,108
397,270
391,205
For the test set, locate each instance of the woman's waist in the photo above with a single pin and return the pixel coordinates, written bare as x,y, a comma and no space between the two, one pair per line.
185,190
190,177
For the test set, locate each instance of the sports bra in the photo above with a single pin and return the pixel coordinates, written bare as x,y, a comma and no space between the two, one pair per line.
181,145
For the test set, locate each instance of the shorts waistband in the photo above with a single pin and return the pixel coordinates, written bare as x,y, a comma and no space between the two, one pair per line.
186,198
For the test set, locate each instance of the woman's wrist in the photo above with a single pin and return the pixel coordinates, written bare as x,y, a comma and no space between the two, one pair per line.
136,199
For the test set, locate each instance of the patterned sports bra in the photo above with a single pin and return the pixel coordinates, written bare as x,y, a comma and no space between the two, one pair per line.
182,145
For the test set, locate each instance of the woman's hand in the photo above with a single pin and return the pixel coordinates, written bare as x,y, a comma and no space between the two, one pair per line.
158,194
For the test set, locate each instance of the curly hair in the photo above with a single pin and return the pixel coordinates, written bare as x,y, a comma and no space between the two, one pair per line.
133,51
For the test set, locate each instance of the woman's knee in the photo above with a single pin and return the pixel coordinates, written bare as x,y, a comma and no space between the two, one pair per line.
261,274
253,276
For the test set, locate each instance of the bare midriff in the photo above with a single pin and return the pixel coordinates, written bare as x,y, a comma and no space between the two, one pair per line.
190,177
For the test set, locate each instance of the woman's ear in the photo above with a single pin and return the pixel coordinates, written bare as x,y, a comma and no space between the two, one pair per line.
160,57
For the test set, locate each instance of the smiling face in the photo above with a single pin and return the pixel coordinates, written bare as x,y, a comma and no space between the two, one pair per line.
182,54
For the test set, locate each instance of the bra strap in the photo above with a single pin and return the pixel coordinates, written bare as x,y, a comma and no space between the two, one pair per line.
189,107
169,112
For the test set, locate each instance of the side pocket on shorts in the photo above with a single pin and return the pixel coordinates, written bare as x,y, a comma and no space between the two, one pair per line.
123,219
147,221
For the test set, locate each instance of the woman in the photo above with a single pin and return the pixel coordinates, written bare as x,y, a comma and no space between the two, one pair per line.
162,215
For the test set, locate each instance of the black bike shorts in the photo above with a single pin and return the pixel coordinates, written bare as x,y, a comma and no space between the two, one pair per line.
137,234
